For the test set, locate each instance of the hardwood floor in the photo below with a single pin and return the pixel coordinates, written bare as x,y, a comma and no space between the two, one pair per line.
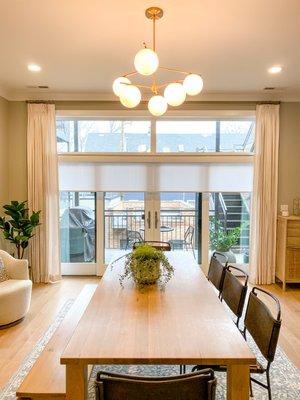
47,300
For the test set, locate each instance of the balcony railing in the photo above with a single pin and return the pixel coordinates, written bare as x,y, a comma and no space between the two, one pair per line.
121,227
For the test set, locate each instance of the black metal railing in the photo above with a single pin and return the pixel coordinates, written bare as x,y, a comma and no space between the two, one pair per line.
123,226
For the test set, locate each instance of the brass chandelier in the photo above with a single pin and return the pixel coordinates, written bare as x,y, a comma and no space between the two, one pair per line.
146,62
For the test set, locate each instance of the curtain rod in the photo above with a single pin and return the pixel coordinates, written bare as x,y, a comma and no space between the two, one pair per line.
40,101
269,102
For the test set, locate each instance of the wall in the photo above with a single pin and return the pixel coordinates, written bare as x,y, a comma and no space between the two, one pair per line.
4,168
289,151
289,154
17,150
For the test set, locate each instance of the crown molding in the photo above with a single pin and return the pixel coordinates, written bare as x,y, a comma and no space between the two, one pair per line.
24,95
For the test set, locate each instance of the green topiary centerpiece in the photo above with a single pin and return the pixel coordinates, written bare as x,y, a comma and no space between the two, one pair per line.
147,265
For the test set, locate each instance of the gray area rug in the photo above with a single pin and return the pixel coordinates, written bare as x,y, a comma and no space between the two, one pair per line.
285,377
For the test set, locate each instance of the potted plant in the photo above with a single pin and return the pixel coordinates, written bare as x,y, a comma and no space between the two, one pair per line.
147,266
222,240
18,228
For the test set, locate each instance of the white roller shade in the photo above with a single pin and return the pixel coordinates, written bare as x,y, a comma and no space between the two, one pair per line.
201,177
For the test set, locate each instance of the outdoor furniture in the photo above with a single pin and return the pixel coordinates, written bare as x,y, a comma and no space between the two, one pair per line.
187,242
183,324
199,385
216,272
234,291
133,237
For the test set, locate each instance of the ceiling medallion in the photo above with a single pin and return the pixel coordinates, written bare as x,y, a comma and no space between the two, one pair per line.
146,63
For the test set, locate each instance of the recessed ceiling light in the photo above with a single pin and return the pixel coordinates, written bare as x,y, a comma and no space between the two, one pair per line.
276,69
34,68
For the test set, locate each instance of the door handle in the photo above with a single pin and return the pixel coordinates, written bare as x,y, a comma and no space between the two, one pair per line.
149,220
156,220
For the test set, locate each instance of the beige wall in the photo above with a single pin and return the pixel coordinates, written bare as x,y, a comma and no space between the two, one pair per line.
289,151
17,150
4,159
289,154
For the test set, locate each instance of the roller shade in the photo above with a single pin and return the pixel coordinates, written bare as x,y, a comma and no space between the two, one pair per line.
201,177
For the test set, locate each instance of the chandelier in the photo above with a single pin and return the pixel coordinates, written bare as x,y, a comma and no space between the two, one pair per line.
146,63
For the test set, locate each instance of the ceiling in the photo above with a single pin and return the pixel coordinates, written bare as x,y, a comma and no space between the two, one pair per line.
83,45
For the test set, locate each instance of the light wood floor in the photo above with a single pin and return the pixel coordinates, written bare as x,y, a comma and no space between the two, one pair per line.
47,300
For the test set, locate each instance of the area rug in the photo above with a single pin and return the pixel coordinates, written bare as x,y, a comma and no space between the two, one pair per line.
9,391
285,378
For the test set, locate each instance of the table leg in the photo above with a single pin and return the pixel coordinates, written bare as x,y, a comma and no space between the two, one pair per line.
76,381
238,381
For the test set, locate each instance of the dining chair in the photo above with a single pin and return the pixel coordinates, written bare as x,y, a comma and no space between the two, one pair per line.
264,329
216,271
164,246
200,385
234,291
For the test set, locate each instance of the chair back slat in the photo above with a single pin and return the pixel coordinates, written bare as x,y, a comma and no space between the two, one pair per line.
194,386
234,292
262,325
216,272
163,246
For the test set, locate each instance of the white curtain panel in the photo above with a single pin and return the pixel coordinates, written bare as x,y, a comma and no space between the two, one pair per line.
264,204
44,254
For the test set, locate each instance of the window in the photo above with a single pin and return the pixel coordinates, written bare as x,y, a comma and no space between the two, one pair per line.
205,136
106,136
77,227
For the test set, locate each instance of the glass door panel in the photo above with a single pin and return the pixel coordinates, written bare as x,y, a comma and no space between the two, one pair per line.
124,222
77,232
179,221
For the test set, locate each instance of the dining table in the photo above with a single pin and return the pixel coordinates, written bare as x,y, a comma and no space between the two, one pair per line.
182,324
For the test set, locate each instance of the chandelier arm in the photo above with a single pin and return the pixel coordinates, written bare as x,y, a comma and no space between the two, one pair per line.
174,70
130,74
153,39
167,83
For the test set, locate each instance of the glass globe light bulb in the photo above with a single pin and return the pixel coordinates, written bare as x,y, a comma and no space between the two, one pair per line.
130,96
146,62
193,84
118,85
157,105
175,94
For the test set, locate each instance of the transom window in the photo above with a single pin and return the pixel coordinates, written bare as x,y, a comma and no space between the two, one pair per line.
150,136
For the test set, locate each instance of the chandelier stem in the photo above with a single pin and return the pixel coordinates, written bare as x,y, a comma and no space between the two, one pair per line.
154,44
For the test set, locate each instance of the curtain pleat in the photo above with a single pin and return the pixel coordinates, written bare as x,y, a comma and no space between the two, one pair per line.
264,203
44,254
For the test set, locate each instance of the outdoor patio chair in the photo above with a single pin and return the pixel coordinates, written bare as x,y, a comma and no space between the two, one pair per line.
133,237
187,242
200,385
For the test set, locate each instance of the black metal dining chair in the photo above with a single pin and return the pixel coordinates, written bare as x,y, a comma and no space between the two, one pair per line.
200,385
187,242
163,246
216,271
264,328
234,290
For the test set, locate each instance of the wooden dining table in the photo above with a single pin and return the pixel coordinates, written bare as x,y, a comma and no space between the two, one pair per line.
185,324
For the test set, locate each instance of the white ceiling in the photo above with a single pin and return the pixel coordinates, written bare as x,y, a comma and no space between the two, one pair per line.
82,45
